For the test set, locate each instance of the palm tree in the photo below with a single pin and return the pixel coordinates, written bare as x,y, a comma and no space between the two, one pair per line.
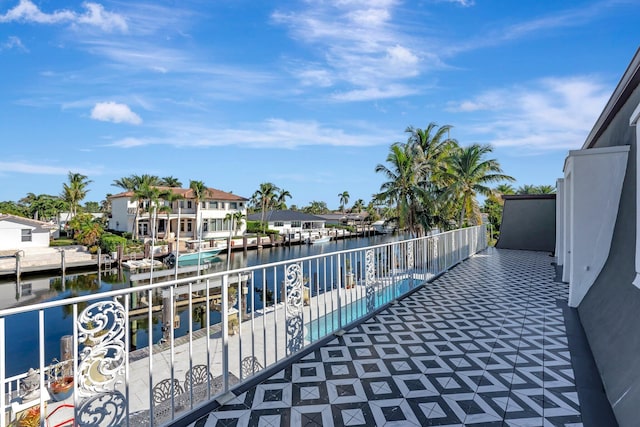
265,197
527,189
503,189
170,181
199,192
75,191
358,206
236,219
344,199
467,174
281,199
546,189
402,188
169,197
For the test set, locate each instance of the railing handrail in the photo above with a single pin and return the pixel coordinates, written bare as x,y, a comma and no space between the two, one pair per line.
186,280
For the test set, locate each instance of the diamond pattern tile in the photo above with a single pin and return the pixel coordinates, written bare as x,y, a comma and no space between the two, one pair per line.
484,345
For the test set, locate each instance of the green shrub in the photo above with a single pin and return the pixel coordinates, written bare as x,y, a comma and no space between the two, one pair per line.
110,242
61,242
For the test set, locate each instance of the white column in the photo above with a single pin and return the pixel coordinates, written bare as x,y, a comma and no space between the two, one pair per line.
560,221
635,118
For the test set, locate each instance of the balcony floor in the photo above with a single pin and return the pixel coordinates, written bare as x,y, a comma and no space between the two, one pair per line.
484,344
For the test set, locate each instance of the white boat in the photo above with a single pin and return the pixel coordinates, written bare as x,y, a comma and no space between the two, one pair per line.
191,258
141,264
383,227
312,240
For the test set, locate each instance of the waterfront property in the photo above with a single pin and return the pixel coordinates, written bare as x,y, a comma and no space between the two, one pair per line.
185,217
288,222
305,301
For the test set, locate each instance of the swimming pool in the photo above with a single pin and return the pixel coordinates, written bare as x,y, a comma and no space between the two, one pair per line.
329,323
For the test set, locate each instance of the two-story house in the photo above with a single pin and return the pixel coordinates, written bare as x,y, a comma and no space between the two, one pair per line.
209,219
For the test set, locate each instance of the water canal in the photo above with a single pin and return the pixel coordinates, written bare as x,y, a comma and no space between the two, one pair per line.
22,330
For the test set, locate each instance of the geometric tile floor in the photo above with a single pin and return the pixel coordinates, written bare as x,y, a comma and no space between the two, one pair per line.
483,345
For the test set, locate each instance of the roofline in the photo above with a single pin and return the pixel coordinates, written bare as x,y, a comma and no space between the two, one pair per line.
629,81
528,196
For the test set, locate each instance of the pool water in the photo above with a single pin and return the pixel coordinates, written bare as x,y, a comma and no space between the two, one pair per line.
329,323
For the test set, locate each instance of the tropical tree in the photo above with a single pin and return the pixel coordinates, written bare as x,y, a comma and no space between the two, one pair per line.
504,189
42,206
316,208
467,174
344,199
358,206
86,229
281,199
169,197
199,191
402,188
236,219
170,181
546,189
75,190
527,189
264,198
13,208
137,185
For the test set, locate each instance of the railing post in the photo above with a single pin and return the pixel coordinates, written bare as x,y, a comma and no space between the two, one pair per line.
3,349
339,276
225,331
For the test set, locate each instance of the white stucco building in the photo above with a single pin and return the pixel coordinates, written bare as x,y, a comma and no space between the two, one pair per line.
180,216
18,233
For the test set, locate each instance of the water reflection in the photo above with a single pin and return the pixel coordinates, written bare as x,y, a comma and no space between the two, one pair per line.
22,330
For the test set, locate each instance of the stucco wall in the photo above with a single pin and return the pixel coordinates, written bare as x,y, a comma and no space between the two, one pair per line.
610,312
528,223
11,237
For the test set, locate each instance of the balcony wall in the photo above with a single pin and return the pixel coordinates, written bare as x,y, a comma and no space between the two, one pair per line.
610,310
528,223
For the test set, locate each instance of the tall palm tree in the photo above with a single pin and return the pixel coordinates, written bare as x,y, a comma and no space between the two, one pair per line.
236,219
199,192
527,189
402,188
137,184
169,197
503,189
546,189
75,190
468,173
265,197
344,199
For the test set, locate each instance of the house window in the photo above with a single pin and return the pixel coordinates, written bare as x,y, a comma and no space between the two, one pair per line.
182,226
240,205
189,204
233,205
278,224
213,205
205,225
182,206
188,226
26,235
204,205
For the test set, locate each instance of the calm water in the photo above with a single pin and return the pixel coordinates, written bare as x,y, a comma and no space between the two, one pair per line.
22,330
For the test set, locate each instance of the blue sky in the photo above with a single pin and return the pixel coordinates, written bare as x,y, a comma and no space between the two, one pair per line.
308,95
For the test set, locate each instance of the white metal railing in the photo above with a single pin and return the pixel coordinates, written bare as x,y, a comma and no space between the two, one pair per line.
152,353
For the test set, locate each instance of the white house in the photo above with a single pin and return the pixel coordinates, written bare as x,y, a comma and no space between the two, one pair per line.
23,233
181,216
290,222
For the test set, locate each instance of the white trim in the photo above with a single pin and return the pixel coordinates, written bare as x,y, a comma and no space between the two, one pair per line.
633,121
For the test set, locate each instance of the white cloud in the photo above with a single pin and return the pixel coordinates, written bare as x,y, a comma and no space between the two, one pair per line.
98,17
357,44
549,114
95,15
38,168
13,42
464,3
114,112
271,133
